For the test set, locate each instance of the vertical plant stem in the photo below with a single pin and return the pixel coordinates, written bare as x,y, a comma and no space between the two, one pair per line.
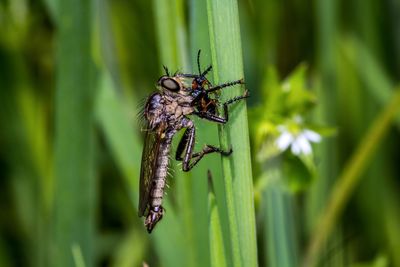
206,240
120,136
350,177
326,29
223,17
171,35
75,185
217,250
281,242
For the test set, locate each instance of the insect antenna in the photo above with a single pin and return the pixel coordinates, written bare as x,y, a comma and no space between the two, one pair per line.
206,71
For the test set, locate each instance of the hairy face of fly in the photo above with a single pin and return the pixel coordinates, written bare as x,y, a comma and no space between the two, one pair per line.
174,86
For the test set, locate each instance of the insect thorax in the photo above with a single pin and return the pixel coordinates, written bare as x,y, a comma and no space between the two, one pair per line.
167,108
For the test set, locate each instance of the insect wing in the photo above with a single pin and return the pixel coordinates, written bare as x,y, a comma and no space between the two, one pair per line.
148,168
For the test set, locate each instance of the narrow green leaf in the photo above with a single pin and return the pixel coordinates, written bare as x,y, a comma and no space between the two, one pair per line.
207,134
75,184
180,229
118,129
53,7
279,234
350,177
217,249
223,17
371,72
124,255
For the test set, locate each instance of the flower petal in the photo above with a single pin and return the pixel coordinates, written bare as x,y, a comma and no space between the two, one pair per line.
304,145
284,140
296,148
312,136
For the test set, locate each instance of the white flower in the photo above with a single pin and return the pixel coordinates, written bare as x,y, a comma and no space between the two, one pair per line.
299,142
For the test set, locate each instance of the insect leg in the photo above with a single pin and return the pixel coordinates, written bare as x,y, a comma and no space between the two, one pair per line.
182,144
211,117
186,145
207,149
233,100
218,87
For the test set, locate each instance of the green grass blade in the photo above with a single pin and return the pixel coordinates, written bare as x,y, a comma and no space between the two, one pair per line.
223,17
350,177
124,255
207,134
75,185
171,34
370,71
118,129
279,234
217,249
179,230
53,7
325,112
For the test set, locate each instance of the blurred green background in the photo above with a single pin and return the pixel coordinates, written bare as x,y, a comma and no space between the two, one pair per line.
73,75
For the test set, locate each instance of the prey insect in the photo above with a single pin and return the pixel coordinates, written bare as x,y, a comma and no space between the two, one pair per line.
166,112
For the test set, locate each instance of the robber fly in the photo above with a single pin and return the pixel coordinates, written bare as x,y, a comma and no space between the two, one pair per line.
165,113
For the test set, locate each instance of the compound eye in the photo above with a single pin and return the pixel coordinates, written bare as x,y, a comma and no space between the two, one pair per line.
170,84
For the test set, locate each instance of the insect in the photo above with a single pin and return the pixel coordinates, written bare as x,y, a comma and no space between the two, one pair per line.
165,113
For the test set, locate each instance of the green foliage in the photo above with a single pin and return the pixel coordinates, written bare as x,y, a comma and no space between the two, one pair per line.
226,53
74,180
281,113
74,74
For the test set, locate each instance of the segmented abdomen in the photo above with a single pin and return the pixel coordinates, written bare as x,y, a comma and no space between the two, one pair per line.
158,183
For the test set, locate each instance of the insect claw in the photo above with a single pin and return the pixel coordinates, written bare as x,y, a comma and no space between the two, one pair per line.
227,153
155,215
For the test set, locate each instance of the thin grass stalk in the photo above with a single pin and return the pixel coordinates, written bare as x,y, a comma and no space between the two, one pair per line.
124,255
171,35
327,94
279,233
380,85
350,177
326,17
223,17
120,135
75,184
392,220
53,7
34,124
380,91
206,238
217,249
